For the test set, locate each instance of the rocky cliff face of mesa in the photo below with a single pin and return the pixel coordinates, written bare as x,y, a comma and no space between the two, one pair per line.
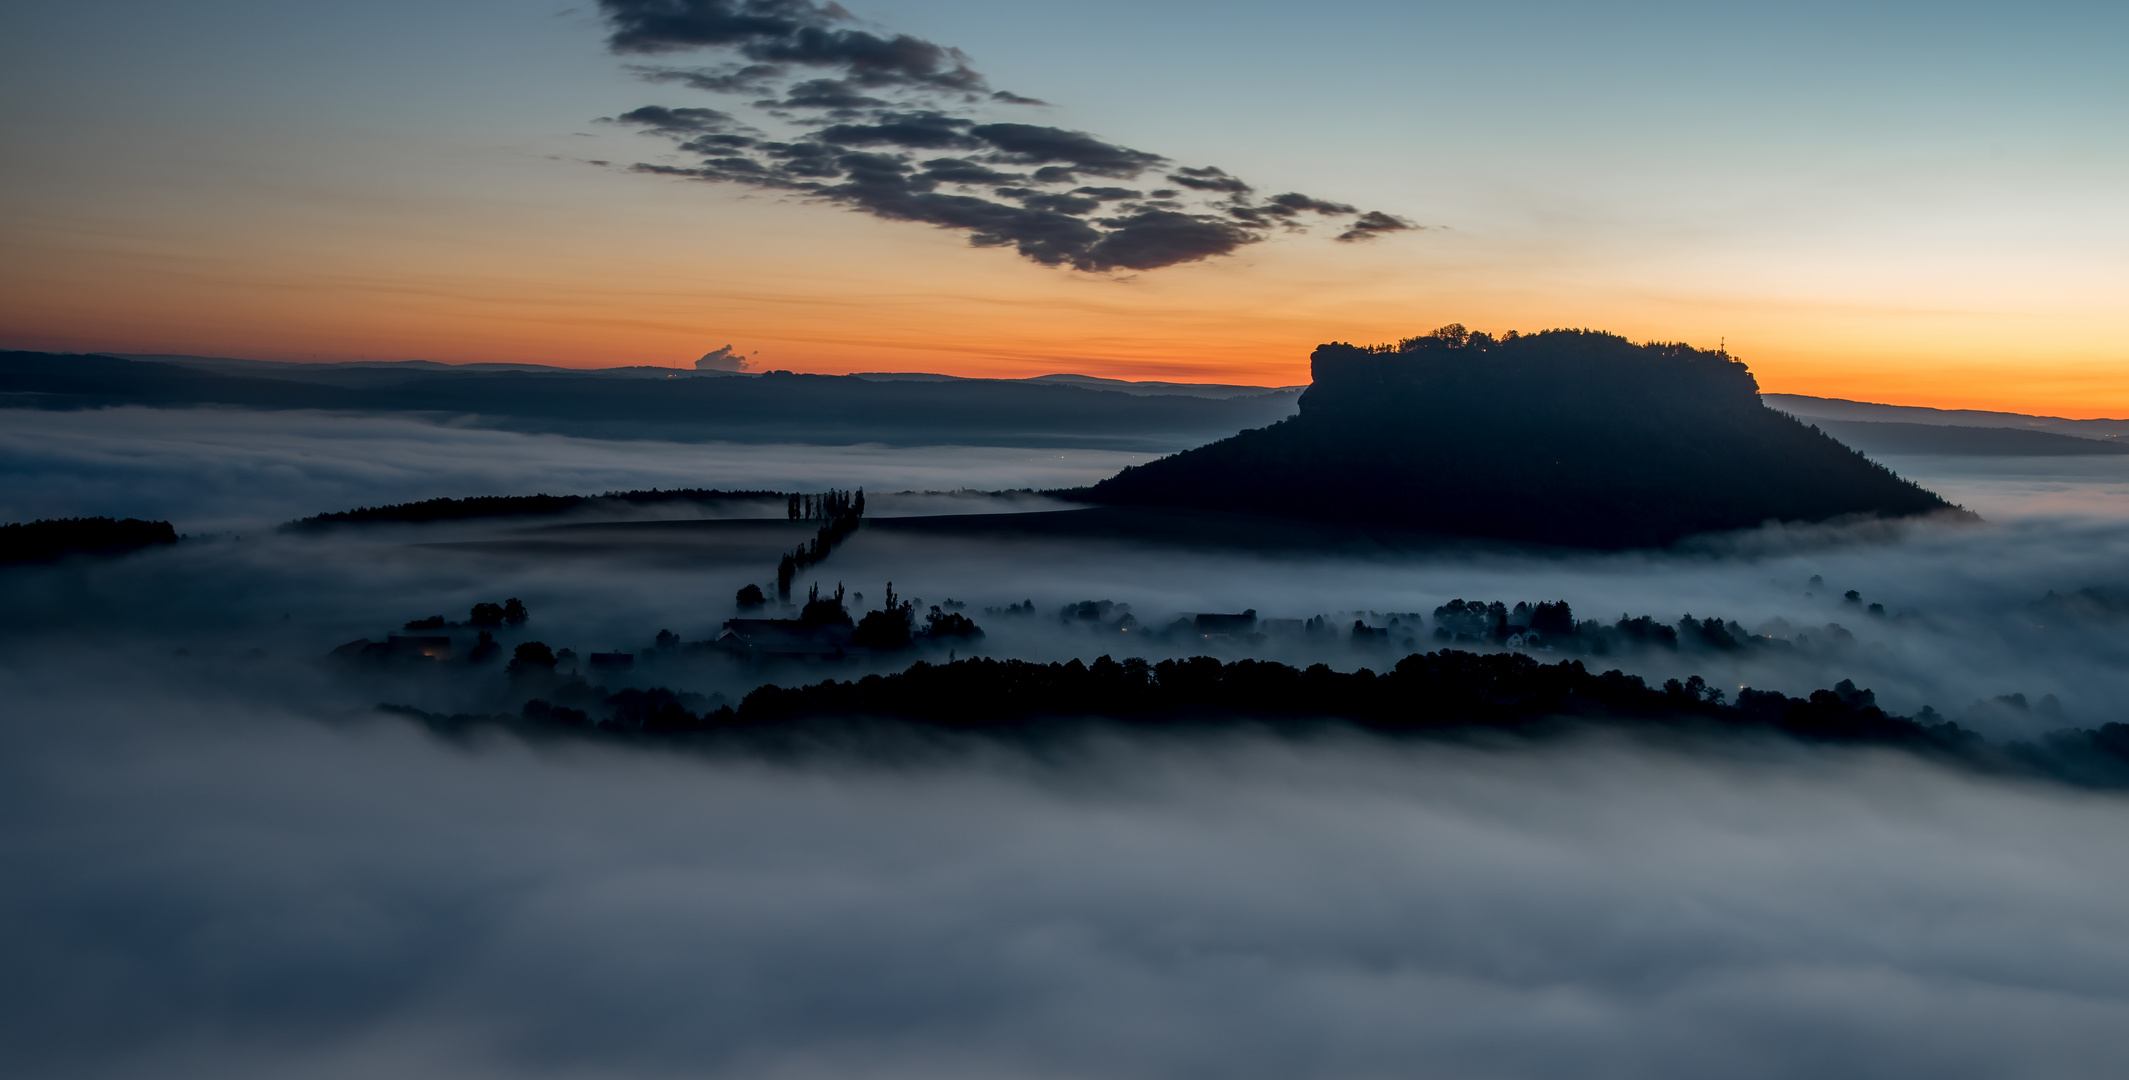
1568,437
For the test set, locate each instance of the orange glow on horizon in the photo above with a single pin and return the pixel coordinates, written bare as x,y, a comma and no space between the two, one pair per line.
801,288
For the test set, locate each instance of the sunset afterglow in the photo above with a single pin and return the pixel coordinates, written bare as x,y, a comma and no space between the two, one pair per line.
1952,242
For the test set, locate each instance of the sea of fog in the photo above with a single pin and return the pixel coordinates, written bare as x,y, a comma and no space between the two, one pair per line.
221,861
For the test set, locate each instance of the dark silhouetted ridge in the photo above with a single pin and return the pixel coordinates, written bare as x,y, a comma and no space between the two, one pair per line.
37,541
776,406
488,506
1570,437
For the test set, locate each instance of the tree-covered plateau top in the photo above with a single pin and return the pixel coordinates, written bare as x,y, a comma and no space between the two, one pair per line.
1567,437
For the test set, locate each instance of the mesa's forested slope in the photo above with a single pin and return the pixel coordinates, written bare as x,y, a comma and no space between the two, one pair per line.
1569,437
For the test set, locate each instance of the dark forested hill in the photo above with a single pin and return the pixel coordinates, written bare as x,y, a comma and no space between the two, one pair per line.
1564,437
774,407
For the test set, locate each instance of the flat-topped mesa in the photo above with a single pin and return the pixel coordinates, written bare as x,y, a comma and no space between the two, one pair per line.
1569,437
1538,374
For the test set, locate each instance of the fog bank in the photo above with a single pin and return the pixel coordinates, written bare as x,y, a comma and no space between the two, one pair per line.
200,886
219,860
212,469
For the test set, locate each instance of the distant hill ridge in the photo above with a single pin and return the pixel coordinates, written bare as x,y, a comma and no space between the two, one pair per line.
1892,437
1568,437
366,373
1841,409
689,406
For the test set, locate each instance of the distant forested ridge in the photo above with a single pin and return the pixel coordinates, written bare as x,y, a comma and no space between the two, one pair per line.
487,506
1883,437
776,406
1569,437
37,541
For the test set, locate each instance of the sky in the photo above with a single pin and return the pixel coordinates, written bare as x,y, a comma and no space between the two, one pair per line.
1897,202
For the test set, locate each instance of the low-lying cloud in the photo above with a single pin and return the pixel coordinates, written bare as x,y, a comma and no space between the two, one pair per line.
222,862
1962,620
209,470
894,126
208,887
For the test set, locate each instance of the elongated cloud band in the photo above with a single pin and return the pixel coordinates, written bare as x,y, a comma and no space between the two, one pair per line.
881,124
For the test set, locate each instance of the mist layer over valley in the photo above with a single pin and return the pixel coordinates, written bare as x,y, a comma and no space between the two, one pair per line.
224,860
1962,615
208,887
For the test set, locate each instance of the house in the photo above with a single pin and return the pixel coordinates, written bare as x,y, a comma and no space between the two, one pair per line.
395,647
1241,625
418,646
765,639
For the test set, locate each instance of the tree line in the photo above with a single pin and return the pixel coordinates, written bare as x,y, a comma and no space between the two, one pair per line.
1440,693
826,506
486,506
38,541
841,512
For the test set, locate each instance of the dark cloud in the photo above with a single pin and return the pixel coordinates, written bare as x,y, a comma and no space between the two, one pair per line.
1372,224
1283,209
835,94
894,97
1152,239
1209,179
1063,204
1294,202
787,32
736,79
964,171
684,121
921,131
717,144
1033,144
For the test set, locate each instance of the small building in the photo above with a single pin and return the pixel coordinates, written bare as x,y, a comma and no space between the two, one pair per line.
785,639
1241,625
418,646
1527,641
